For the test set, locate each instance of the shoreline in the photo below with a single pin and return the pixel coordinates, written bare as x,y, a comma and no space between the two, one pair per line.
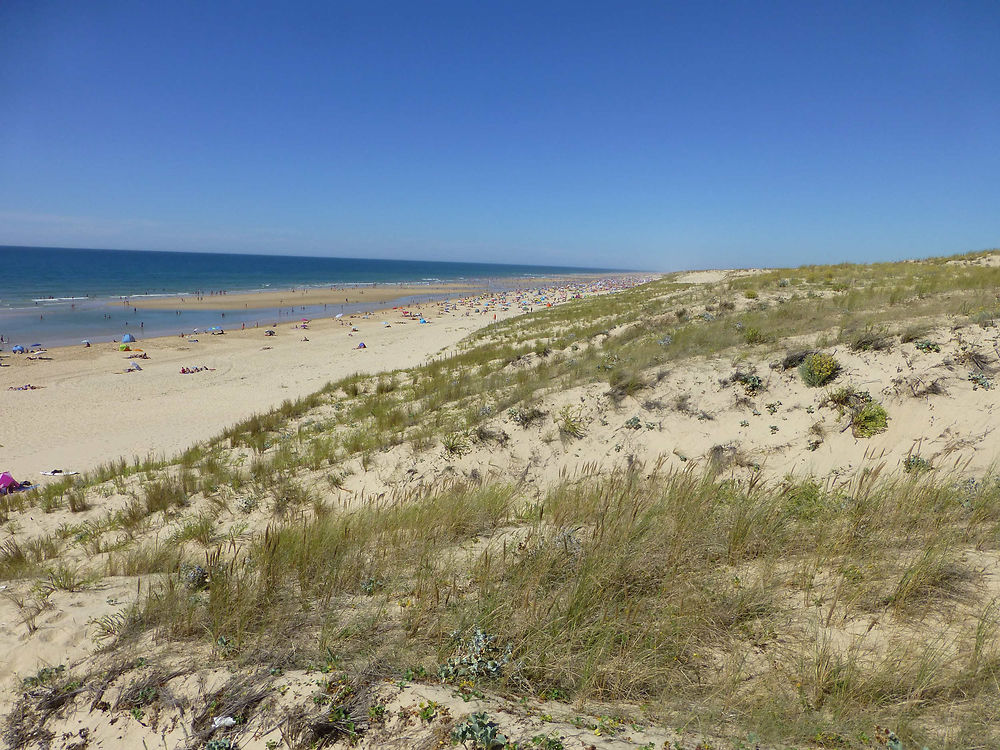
87,410
267,300
107,320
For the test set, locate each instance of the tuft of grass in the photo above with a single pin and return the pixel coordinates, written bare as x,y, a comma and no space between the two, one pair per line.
848,397
571,423
795,357
913,332
752,335
200,528
936,574
914,464
66,577
526,415
164,495
624,383
455,444
871,339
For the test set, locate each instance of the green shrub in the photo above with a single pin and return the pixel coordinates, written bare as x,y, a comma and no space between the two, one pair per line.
819,369
927,346
482,733
916,465
870,419
754,336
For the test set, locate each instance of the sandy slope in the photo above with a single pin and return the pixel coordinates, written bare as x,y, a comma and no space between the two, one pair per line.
688,413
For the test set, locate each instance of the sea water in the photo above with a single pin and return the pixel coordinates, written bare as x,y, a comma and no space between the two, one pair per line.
60,296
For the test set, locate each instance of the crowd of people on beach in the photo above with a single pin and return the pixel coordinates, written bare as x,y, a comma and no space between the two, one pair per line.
496,303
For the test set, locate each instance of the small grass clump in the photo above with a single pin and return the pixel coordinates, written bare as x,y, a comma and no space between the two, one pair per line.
819,369
870,340
916,464
455,444
871,419
624,384
753,336
571,423
526,415
913,333
795,357
848,397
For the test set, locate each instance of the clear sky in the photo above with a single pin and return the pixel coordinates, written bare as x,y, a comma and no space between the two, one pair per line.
655,135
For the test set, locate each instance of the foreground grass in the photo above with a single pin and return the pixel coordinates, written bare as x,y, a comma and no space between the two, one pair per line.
802,613
787,610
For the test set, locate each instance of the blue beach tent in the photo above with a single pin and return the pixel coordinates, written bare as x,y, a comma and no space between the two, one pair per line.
128,338
18,349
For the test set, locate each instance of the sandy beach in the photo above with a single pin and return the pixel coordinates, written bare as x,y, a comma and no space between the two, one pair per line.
337,295
87,410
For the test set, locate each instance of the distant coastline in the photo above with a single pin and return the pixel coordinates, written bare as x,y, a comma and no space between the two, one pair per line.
59,296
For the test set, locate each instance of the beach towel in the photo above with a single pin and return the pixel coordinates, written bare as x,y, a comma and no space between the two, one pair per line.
58,473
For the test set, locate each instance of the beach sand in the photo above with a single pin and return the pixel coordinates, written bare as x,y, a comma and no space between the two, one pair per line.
87,410
374,295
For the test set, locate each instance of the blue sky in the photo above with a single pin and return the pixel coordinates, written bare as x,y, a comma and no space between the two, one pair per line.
652,135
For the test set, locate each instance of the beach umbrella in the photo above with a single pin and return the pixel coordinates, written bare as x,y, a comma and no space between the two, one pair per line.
33,346
339,315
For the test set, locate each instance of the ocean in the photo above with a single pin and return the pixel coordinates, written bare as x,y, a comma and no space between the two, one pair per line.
60,296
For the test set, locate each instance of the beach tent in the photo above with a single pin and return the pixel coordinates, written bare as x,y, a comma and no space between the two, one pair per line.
128,338
18,349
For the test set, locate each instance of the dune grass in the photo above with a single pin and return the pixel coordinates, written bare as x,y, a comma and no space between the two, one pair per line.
802,613
703,599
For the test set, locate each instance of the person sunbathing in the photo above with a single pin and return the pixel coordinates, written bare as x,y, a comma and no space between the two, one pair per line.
25,387
8,484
